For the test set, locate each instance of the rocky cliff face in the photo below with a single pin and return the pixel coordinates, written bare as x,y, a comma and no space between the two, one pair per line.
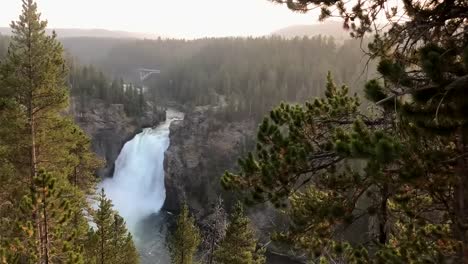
201,149
109,127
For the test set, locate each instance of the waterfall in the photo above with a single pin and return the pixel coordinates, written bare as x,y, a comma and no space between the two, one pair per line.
137,186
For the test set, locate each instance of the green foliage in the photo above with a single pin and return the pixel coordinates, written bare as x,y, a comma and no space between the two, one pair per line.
334,165
413,183
110,242
245,77
56,216
47,168
293,142
239,246
184,242
88,83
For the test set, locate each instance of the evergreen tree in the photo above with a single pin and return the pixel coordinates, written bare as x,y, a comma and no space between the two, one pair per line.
55,213
321,144
184,242
47,168
430,99
239,246
214,230
415,157
110,242
33,95
122,242
39,86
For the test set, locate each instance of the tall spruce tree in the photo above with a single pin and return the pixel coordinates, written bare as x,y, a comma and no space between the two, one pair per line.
34,75
239,246
184,242
110,243
33,96
54,212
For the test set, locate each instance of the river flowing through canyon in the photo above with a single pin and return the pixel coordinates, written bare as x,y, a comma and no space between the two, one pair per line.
137,188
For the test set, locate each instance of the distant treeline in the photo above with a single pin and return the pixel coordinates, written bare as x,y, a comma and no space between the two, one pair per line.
247,77
244,76
87,82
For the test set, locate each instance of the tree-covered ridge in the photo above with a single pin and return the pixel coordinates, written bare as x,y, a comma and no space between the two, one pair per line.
237,74
47,169
87,82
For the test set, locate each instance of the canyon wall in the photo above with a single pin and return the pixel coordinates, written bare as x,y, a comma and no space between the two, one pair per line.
202,147
109,127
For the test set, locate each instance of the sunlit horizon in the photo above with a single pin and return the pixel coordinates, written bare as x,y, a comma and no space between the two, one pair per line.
189,19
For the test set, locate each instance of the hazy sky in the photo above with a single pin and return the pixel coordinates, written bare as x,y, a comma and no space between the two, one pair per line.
173,18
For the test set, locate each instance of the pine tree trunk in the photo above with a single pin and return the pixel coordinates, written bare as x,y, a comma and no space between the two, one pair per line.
383,215
33,173
461,199
32,132
210,258
102,246
45,221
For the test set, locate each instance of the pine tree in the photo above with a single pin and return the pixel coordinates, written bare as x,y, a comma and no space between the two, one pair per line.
308,160
33,94
184,242
214,230
56,237
39,86
103,218
239,246
47,168
110,243
294,141
415,158
431,100
122,241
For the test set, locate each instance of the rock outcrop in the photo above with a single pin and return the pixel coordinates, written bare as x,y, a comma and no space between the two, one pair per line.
202,147
109,127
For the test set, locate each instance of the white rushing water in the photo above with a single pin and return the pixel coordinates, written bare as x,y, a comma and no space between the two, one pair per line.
137,187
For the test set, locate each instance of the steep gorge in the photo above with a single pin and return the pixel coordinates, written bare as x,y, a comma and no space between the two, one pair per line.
201,148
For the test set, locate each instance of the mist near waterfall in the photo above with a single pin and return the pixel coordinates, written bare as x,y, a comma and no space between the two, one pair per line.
137,187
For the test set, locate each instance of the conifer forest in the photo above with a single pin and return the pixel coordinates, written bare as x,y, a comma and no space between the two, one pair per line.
340,141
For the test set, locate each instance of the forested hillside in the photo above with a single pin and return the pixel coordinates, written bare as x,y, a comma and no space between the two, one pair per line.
236,73
246,77
86,82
